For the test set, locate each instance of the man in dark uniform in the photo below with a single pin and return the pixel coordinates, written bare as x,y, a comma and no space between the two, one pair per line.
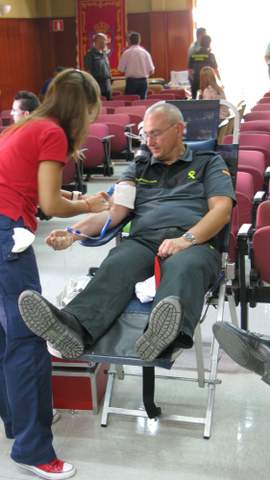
183,199
97,63
203,57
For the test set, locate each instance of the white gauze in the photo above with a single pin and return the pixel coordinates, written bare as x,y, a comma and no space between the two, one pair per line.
22,239
125,195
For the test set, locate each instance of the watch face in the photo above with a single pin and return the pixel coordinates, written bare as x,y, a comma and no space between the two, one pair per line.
190,237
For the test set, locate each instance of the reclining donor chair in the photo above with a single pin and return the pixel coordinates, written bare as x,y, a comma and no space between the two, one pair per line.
117,346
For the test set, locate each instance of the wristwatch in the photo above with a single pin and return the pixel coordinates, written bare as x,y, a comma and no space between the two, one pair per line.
190,238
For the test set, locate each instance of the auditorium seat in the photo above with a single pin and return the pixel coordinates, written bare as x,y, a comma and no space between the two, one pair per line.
253,141
252,161
261,107
6,118
264,100
98,144
148,101
256,126
254,279
119,124
244,194
257,115
163,96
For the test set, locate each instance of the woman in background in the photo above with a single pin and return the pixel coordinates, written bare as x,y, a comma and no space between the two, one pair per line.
210,89
33,153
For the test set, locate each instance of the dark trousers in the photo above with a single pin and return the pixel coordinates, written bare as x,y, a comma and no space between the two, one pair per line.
195,85
106,88
136,86
187,275
25,367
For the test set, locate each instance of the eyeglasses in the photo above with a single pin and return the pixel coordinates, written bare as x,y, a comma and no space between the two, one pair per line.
156,133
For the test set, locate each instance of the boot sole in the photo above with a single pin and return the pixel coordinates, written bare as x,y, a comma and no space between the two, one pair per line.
163,328
255,359
41,320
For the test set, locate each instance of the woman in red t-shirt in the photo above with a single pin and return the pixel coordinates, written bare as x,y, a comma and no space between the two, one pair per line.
32,156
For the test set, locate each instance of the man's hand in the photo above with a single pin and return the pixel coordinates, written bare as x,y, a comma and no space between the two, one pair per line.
172,245
60,239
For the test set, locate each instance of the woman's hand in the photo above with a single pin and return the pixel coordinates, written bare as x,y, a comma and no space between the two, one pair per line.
98,202
60,239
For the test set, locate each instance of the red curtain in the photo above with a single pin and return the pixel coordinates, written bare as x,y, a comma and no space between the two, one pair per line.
106,16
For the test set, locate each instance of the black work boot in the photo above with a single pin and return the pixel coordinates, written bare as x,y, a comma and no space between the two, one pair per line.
57,327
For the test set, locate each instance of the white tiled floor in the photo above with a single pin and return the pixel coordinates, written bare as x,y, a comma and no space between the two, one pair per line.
132,448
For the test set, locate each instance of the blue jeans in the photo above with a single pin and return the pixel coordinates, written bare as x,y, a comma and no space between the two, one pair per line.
25,367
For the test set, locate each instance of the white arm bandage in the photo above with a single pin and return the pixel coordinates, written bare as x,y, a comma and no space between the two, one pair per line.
124,195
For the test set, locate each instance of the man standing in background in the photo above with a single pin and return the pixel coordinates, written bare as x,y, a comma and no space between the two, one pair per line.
195,46
137,65
97,63
202,58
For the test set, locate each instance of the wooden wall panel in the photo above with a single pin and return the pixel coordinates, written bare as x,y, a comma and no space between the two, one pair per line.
140,22
29,53
159,50
167,36
60,47
20,57
179,37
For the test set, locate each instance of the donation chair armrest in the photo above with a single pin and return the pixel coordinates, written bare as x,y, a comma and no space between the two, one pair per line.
201,145
109,235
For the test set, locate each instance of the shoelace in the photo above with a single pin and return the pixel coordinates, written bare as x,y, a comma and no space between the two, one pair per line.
54,466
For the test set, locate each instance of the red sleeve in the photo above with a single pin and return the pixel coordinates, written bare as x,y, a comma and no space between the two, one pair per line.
53,145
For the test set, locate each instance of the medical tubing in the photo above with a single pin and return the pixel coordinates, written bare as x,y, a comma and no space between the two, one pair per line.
103,231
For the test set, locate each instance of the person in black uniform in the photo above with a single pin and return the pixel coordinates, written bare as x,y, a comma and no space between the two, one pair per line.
198,59
97,63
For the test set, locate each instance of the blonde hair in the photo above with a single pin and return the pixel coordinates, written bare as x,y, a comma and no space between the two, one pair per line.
208,78
73,100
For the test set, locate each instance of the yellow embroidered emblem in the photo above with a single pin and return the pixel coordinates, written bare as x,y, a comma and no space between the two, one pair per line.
192,175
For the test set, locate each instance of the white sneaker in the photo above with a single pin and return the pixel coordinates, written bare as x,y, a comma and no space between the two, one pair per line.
55,470
56,416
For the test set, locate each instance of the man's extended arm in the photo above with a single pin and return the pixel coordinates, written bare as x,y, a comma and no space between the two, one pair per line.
90,225
215,219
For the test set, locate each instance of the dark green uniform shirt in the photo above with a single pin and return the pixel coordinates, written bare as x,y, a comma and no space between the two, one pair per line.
177,195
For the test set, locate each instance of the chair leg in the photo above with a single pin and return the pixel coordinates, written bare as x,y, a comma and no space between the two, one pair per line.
199,355
233,312
149,391
107,399
213,367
